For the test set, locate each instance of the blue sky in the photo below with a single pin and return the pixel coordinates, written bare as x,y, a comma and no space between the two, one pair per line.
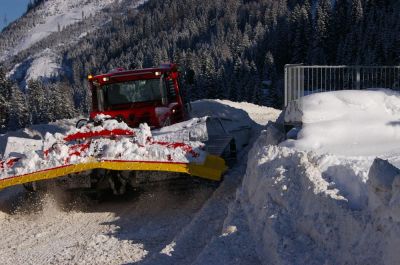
11,9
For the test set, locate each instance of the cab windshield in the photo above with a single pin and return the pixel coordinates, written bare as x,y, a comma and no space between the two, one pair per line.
133,92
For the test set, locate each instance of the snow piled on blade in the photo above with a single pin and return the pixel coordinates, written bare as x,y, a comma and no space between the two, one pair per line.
119,142
102,122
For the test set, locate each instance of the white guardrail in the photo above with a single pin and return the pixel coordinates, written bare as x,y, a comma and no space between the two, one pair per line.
301,80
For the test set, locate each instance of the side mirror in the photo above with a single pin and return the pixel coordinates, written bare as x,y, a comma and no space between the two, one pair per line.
190,77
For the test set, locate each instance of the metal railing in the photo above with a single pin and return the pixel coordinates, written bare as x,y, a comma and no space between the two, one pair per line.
301,80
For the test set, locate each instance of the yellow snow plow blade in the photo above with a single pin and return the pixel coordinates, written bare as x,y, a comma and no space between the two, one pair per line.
212,169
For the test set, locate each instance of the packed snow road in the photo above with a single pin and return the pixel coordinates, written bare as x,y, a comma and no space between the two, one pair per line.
192,223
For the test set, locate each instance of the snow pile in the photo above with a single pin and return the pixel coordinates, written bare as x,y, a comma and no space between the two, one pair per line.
298,216
34,132
349,123
195,128
101,122
224,109
259,114
346,131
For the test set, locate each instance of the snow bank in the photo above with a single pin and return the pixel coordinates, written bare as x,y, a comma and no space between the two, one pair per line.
243,113
350,123
37,131
346,131
325,197
298,216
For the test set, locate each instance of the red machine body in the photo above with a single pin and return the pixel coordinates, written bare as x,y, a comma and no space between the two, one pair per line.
151,95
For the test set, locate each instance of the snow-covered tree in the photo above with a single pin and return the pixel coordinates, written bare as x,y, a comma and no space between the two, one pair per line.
38,105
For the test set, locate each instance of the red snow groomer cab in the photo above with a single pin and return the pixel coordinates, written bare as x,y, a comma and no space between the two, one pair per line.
151,95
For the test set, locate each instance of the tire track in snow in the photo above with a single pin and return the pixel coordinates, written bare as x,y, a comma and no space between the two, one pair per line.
44,236
115,231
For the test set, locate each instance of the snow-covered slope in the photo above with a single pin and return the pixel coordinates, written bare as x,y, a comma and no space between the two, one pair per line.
45,64
52,16
39,38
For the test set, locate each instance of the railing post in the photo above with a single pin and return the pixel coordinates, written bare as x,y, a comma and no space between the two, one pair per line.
358,86
286,86
291,75
298,83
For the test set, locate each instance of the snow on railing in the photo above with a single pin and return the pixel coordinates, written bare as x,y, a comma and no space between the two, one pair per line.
301,80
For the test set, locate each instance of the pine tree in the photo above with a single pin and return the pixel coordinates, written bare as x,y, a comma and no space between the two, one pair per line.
19,112
337,31
321,35
300,32
208,73
270,93
38,104
5,97
4,117
62,101
235,85
353,38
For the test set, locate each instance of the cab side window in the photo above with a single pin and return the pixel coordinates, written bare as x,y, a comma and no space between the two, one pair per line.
171,94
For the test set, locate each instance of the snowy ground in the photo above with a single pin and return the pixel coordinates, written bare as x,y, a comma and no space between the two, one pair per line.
193,224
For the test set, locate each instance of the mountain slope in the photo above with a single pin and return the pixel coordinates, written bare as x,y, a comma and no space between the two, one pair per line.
33,46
